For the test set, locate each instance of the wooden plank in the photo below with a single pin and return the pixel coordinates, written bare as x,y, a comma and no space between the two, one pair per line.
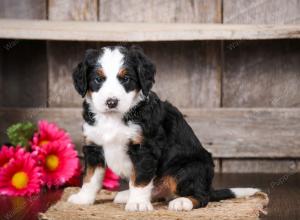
261,12
260,166
227,133
24,74
78,10
165,11
29,9
63,57
190,67
262,74
188,73
138,32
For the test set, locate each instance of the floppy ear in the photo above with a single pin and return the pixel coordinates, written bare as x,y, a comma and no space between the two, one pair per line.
81,71
145,69
80,79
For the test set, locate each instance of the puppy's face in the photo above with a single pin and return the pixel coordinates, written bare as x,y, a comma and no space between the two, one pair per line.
114,78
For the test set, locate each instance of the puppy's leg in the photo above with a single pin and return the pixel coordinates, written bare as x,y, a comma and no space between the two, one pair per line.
122,197
94,173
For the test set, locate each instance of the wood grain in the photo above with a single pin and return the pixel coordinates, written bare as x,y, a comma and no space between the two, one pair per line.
25,9
165,11
139,32
227,133
262,74
188,73
261,12
260,166
78,10
24,77
63,57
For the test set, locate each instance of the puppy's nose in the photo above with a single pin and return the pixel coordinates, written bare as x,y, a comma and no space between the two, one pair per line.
112,102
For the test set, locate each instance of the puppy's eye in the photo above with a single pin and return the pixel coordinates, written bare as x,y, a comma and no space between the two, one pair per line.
126,79
98,80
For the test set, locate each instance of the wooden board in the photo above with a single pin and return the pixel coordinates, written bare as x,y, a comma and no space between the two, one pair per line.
227,133
24,9
165,11
188,73
189,67
260,166
24,76
261,12
78,10
138,32
262,74
63,57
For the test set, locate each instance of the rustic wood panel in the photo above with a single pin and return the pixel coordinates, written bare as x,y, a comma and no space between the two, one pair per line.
192,11
261,12
28,9
24,74
262,74
63,57
227,133
140,32
188,73
260,166
79,10
189,67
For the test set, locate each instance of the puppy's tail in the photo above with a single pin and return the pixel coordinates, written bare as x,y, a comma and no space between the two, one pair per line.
221,194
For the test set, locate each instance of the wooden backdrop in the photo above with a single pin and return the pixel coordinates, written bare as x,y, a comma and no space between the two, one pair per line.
241,97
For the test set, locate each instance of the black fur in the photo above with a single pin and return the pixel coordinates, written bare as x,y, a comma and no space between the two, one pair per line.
93,155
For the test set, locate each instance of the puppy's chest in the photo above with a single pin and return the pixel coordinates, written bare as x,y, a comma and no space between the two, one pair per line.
114,135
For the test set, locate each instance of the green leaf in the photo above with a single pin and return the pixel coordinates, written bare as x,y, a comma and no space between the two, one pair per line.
21,133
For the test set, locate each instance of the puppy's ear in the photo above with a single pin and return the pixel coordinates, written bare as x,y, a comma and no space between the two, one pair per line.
81,71
80,79
145,69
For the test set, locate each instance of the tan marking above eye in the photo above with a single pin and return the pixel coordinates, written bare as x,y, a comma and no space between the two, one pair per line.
122,73
100,72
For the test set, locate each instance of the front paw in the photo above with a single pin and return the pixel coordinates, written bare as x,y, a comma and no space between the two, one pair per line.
138,206
81,198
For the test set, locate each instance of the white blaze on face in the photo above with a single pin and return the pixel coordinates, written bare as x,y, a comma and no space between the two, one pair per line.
111,62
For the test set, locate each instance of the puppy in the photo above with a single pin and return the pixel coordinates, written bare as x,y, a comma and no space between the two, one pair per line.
141,138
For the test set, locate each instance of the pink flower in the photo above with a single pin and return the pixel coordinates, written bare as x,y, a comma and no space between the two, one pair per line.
111,180
20,176
48,133
6,154
59,162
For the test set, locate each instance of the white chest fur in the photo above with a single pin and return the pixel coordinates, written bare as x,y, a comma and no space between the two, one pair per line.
113,135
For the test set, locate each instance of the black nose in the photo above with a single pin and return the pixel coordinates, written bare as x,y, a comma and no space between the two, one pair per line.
112,102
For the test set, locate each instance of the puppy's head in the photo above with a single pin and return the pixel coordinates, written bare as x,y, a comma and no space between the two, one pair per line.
114,78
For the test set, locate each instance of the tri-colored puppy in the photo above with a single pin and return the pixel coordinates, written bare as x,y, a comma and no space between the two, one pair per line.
141,138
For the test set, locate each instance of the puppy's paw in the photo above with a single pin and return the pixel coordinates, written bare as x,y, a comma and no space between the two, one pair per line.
181,204
139,206
81,198
122,197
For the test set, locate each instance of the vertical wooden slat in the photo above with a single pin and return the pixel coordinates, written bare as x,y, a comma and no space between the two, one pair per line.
24,9
78,10
64,56
188,73
262,74
24,74
191,11
24,68
261,12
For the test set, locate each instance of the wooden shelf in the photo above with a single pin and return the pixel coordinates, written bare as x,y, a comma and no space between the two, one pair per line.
226,132
138,32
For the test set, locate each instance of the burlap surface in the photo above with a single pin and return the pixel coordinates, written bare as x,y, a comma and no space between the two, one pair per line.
246,208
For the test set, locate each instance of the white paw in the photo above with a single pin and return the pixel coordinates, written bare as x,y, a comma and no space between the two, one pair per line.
121,197
138,206
181,204
81,198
